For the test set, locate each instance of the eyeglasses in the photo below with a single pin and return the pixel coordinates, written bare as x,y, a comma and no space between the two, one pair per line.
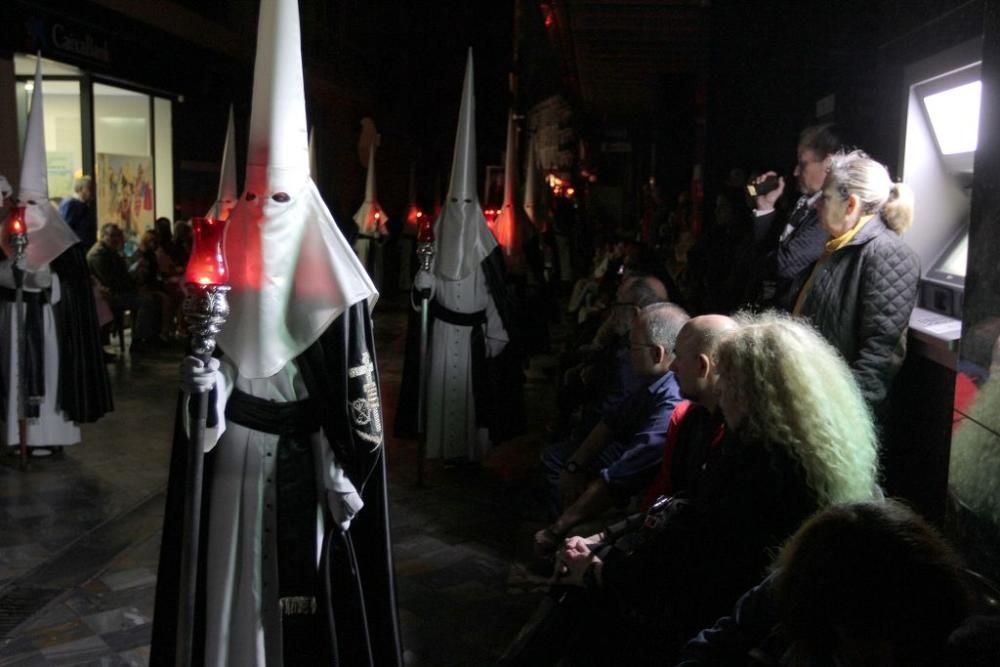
635,346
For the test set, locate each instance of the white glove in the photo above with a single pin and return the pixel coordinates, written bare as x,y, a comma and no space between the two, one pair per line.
423,280
196,377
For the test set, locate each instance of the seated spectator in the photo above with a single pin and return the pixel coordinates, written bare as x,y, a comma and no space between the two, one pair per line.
798,437
698,422
858,584
108,265
146,271
171,277
596,377
182,243
620,455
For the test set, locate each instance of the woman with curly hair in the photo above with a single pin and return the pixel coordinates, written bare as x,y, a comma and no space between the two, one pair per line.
798,438
782,385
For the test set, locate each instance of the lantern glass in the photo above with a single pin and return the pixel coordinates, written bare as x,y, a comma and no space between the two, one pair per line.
207,265
425,230
15,222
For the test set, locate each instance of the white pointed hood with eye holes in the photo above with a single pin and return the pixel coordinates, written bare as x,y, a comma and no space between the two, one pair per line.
48,234
226,199
370,218
463,240
291,270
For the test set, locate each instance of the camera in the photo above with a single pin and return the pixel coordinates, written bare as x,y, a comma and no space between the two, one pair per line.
769,184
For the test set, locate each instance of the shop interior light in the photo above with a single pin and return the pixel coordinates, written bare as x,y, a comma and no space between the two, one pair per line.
954,115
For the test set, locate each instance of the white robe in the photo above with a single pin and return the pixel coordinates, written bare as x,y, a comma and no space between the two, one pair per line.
243,620
451,406
51,427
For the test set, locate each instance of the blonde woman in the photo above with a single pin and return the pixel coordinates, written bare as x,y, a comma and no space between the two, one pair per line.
862,289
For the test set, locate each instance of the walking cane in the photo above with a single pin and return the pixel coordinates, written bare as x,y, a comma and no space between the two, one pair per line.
205,309
425,252
17,233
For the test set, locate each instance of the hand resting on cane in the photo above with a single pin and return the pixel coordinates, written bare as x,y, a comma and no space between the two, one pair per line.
196,376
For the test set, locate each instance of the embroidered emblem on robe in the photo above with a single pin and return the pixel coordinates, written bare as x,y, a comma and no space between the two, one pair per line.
366,412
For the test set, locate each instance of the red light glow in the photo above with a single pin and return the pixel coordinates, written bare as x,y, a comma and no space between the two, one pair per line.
15,223
207,265
548,16
425,230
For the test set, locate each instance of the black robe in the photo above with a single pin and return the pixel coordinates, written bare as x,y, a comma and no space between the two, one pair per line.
365,622
84,391
499,390
84,388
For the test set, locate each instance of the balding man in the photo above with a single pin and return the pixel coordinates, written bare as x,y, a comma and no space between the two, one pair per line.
621,454
695,425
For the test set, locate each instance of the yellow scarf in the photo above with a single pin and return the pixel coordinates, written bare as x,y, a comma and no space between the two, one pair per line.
832,246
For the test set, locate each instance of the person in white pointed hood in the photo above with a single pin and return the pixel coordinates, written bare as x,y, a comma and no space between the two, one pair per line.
522,252
228,195
65,380
372,224
468,307
296,553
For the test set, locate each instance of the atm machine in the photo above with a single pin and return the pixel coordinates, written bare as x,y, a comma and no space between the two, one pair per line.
941,97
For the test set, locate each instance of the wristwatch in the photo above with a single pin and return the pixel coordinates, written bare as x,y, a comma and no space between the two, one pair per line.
572,467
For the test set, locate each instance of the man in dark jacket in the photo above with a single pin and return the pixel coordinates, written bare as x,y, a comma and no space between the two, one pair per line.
78,211
786,244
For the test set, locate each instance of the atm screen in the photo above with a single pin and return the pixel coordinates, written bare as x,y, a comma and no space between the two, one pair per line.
949,268
954,260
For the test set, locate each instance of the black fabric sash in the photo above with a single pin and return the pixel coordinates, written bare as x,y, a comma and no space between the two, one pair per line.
480,381
296,499
455,318
281,419
34,347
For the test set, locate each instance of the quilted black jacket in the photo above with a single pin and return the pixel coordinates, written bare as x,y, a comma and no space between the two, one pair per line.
861,302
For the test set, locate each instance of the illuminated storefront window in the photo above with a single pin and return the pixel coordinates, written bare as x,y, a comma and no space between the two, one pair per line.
122,138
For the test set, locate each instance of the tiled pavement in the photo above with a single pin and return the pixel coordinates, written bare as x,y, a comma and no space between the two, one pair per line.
79,534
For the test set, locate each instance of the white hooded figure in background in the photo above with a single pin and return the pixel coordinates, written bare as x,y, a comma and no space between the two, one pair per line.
466,322
295,466
228,195
48,237
372,224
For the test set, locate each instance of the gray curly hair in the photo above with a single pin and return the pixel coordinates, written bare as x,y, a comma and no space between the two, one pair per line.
800,395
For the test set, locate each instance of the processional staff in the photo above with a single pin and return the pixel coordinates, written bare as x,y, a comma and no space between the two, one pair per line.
425,252
17,235
205,310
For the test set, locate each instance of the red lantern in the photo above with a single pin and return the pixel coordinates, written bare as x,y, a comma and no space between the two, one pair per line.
207,265
425,229
15,222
